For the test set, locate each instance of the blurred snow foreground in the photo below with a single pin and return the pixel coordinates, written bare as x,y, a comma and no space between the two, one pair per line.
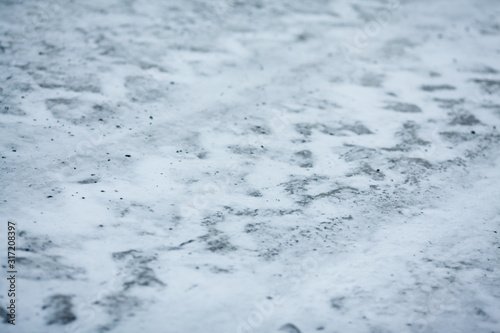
251,166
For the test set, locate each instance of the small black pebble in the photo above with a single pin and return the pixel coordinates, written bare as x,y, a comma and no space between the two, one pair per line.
473,132
100,225
14,150
49,196
378,170
102,190
83,197
127,155
150,117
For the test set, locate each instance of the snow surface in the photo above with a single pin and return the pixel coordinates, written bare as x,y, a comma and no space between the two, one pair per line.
251,166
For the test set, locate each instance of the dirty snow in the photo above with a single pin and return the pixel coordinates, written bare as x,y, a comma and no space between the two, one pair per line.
251,166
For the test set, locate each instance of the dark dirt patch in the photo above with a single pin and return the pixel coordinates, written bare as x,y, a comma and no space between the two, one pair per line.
465,120
255,194
260,130
366,169
432,88
136,268
3,314
449,103
305,158
403,107
89,181
337,302
488,86
59,308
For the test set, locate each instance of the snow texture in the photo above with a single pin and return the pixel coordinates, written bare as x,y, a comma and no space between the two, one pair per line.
251,165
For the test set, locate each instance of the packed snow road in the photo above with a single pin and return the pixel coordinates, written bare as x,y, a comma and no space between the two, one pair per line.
251,166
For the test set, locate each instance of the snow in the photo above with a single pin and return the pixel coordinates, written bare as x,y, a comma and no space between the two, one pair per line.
251,166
